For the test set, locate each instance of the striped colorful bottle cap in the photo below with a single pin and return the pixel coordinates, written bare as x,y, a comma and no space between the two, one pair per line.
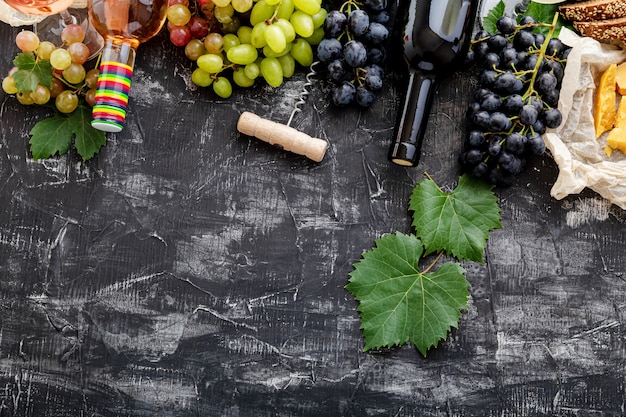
112,91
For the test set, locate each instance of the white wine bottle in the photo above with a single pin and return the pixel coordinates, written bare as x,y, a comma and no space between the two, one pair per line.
124,24
435,39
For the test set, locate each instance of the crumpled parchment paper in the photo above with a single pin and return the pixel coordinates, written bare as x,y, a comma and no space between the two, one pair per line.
13,17
579,155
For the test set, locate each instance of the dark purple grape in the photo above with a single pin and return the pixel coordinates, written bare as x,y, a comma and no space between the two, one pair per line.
513,165
539,127
545,82
498,122
523,40
512,104
358,22
329,50
487,78
364,97
495,146
530,63
481,170
505,82
382,17
495,176
555,47
343,94
375,70
480,93
552,118
475,139
535,144
376,55
506,25
551,98
481,49
337,70
496,42
491,60
508,57
515,143
540,38
535,102
376,34
375,5
528,115
354,53
472,109
473,157
491,102
527,21
335,23
373,82
481,119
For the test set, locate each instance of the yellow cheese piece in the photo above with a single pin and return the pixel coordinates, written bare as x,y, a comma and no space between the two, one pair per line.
617,138
620,78
604,111
620,119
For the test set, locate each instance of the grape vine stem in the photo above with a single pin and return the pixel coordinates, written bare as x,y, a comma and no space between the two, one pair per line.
542,54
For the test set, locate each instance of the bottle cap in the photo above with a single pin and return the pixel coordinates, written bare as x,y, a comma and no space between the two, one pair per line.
404,153
112,91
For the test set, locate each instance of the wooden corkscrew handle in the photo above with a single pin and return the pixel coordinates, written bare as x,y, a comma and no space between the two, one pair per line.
282,136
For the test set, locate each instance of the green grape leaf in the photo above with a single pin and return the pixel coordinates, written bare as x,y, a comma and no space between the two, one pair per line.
53,135
544,13
489,21
31,72
398,303
458,223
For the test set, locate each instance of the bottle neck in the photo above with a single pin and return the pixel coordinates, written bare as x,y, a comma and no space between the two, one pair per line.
112,91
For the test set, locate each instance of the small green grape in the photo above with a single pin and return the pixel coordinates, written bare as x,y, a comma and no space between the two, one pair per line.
222,87
211,63
201,78
272,71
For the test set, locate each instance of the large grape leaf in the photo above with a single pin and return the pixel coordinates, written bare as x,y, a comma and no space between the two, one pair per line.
398,303
31,72
458,223
53,135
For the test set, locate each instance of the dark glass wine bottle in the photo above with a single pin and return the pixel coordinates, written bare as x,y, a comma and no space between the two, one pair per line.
435,39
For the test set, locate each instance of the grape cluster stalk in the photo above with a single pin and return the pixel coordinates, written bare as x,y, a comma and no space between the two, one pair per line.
70,82
353,50
240,41
521,71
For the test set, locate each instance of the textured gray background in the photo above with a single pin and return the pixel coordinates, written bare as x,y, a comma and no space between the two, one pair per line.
190,271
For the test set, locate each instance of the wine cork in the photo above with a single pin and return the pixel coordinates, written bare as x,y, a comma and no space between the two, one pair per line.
282,136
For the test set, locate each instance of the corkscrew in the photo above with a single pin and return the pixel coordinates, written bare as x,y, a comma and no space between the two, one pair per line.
283,135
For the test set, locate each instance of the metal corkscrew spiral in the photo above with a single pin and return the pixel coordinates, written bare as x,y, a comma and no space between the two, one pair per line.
305,92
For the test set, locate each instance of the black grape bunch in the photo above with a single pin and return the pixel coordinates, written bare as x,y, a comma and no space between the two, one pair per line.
353,51
516,100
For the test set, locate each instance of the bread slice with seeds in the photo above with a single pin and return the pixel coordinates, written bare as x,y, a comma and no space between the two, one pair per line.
592,10
603,30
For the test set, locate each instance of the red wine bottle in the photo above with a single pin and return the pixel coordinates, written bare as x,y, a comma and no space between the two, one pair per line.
435,39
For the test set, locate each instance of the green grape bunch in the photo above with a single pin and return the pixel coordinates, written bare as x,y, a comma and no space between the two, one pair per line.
241,41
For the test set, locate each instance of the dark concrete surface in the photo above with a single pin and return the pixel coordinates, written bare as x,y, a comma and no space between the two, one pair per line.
188,270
